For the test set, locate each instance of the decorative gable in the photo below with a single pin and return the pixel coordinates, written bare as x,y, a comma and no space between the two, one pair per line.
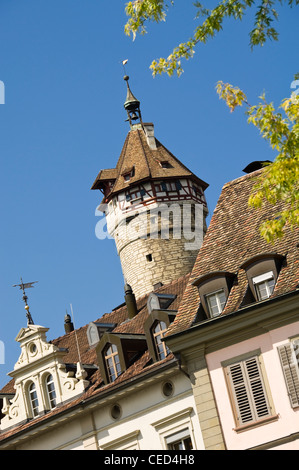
42,381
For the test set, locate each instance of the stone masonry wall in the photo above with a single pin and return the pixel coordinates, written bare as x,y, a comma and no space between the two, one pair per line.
147,262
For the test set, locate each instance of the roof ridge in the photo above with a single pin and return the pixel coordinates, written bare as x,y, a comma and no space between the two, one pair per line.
144,153
240,179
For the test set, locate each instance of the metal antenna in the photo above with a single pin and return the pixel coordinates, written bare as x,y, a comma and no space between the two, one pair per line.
75,333
24,286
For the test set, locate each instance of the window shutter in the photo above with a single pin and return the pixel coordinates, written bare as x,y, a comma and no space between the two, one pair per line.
257,387
290,371
241,394
248,390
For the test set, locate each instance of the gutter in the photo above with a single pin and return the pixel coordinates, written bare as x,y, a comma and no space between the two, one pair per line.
238,320
255,306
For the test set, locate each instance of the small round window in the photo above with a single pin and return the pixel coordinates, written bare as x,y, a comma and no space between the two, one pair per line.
167,389
115,411
32,349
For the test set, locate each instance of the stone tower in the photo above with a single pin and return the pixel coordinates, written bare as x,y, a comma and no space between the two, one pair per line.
155,207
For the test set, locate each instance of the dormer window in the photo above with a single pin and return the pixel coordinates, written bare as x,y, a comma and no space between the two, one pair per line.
116,352
262,273
95,331
264,285
214,289
112,362
33,399
157,301
51,391
128,174
165,164
157,323
158,331
216,302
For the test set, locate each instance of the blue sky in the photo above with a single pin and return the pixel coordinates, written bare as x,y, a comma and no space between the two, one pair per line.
63,121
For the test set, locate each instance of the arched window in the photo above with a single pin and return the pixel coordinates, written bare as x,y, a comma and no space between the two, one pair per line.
112,362
33,399
158,332
51,391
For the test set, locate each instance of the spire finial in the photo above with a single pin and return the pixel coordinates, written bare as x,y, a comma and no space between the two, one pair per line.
24,286
132,105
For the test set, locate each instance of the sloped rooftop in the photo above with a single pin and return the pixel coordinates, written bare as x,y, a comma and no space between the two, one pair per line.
231,239
147,164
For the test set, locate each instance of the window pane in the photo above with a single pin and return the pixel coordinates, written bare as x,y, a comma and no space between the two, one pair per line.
33,399
51,391
112,362
161,348
216,302
264,289
182,444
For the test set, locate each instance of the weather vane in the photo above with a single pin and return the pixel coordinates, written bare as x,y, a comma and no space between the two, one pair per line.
24,286
124,63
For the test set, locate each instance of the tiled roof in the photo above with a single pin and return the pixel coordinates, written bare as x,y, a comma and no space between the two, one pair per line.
231,239
69,341
146,162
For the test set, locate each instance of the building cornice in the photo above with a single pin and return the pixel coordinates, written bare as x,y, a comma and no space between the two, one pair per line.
226,330
85,405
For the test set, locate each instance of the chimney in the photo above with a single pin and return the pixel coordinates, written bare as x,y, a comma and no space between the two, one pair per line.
130,301
150,137
257,165
68,325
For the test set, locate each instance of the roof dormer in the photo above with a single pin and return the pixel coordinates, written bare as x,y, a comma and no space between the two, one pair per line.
95,331
157,322
214,289
116,352
262,273
157,301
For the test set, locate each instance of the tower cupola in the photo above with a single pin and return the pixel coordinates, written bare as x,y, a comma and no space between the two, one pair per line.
132,105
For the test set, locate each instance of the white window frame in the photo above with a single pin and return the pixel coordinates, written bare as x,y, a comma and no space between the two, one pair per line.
263,279
217,296
173,425
34,409
51,394
179,436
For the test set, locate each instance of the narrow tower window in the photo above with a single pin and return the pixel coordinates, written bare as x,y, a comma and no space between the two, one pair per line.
149,257
33,399
51,391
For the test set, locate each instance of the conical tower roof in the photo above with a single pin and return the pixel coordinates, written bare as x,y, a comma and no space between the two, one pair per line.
144,158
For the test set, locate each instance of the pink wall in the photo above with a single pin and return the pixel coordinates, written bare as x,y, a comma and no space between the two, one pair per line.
288,421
